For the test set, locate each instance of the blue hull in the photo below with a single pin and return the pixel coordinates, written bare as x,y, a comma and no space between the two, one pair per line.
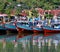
2,28
10,27
50,30
23,27
37,30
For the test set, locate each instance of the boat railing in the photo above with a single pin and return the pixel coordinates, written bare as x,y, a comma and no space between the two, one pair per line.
55,23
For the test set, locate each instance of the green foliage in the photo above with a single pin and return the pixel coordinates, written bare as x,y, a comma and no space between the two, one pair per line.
35,13
1,6
28,4
49,16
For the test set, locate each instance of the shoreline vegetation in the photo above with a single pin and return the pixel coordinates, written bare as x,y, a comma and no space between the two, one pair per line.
17,6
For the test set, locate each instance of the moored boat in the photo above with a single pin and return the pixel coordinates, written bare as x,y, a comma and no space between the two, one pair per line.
36,24
2,29
37,28
23,27
51,29
10,27
3,18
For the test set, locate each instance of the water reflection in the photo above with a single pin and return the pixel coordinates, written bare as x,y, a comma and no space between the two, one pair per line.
24,42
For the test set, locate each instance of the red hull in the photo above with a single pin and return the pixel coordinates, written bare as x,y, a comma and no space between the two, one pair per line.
50,32
23,30
37,31
20,29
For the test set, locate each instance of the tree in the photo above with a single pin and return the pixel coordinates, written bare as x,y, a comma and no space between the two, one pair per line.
34,13
48,16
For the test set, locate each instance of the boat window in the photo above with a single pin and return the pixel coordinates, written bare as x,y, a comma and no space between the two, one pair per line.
12,17
56,24
18,23
40,22
58,19
11,23
1,18
6,18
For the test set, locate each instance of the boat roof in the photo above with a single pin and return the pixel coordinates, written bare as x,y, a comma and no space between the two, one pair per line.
56,24
3,15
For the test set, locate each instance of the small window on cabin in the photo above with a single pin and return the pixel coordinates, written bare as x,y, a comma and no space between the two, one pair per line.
12,17
6,16
1,18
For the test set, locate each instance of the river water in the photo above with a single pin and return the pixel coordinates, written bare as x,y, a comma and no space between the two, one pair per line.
29,42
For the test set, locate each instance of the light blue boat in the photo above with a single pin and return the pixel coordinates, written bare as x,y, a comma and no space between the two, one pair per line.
34,24
2,28
10,26
24,27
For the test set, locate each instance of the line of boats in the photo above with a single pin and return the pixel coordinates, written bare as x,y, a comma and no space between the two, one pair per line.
24,24
31,27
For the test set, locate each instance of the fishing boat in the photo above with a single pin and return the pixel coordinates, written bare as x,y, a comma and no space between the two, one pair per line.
37,25
55,28
2,29
3,19
30,26
23,27
37,28
10,27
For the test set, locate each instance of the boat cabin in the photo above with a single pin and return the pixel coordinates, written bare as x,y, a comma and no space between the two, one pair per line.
3,18
58,18
12,18
57,26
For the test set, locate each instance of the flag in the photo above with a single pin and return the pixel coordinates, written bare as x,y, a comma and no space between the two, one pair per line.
49,22
30,13
42,17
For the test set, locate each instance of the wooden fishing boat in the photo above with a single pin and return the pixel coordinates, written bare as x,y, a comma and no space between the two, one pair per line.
36,25
30,25
37,28
10,27
51,29
3,19
23,27
2,29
